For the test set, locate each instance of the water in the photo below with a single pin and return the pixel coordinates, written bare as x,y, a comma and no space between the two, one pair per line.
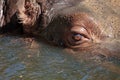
22,60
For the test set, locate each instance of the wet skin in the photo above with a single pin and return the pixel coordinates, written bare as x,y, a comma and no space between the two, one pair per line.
44,18
30,15
73,30
77,31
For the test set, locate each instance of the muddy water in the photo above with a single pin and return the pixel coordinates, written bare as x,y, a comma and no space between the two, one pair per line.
23,59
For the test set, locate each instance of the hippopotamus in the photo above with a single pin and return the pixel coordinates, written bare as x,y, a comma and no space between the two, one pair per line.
73,30
59,21
34,17
66,39
83,26
30,15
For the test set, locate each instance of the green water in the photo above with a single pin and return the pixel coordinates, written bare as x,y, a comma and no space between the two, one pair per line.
22,60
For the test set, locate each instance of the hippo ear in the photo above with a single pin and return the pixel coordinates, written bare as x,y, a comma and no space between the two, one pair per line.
28,12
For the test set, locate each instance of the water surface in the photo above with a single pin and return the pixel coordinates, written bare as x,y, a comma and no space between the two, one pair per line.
21,59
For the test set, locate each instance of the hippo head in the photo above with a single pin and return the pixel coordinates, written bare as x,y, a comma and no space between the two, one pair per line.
73,30
37,14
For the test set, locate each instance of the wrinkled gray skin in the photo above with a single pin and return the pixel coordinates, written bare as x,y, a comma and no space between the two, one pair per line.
47,11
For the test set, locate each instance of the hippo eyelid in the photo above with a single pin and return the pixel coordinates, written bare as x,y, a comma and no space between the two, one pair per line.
81,34
81,30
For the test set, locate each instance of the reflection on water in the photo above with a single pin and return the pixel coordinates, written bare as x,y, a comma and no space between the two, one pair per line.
22,60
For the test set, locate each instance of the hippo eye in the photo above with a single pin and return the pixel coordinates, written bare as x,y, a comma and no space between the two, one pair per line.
80,33
77,36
